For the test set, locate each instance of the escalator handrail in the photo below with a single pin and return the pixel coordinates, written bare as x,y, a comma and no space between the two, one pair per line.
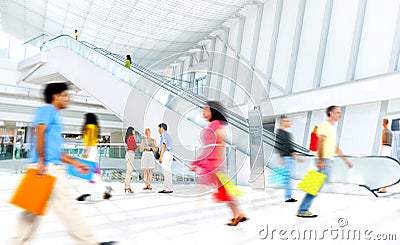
234,118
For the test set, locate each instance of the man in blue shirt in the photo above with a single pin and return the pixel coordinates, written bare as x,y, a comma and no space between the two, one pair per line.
48,158
165,157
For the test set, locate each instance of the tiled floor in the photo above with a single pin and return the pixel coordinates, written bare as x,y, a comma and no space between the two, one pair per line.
147,217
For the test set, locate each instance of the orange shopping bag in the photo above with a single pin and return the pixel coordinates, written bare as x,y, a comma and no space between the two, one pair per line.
33,192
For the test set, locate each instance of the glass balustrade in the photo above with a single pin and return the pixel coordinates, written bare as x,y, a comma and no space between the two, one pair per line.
112,162
115,65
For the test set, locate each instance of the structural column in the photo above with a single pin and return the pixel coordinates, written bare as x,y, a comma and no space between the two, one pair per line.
322,44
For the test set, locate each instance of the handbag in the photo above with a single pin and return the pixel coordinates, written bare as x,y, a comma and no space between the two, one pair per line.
279,176
157,155
33,192
71,170
312,182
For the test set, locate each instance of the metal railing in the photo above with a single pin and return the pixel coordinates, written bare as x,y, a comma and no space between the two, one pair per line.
170,84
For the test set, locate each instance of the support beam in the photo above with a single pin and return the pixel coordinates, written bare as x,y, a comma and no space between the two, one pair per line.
339,128
254,47
307,129
235,66
322,44
394,58
295,46
210,67
355,46
221,67
30,72
274,43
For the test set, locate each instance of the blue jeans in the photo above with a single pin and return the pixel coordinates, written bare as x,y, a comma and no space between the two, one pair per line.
308,198
290,166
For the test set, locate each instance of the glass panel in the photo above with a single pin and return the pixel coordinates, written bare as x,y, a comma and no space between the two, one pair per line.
174,88
4,42
17,51
364,171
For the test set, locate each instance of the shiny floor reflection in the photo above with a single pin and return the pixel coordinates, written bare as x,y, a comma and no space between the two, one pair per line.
147,217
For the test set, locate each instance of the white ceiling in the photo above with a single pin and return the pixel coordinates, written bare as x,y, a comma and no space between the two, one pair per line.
150,30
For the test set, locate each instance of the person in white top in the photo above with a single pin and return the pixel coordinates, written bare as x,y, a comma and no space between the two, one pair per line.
148,146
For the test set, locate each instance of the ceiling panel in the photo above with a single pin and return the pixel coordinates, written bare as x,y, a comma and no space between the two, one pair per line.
121,25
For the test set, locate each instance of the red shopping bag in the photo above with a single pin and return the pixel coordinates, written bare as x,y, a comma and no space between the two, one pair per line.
33,192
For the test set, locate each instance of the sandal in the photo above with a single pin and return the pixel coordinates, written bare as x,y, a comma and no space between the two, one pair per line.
235,221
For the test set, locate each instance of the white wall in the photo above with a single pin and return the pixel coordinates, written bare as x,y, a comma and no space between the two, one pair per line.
310,38
233,32
359,128
374,49
298,127
340,38
285,43
380,18
265,39
248,32
394,106
340,21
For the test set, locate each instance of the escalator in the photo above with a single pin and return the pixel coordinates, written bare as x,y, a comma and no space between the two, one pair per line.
141,97
173,86
369,172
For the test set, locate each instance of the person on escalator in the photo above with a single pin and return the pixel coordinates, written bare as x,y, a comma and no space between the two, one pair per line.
314,140
287,154
386,149
128,61
76,34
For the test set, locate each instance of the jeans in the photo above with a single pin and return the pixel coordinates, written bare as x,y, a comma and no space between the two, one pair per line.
308,198
290,166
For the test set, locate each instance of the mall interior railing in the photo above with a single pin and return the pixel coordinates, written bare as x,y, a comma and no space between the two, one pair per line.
112,63
369,172
112,161
111,158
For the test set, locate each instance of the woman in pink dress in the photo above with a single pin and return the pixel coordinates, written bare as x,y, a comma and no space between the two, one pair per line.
212,159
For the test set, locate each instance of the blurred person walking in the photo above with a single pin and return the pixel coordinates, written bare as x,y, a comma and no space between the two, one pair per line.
148,146
166,157
90,136
386,149
327,147
212,159
287,154
48,158
129,157
76,34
